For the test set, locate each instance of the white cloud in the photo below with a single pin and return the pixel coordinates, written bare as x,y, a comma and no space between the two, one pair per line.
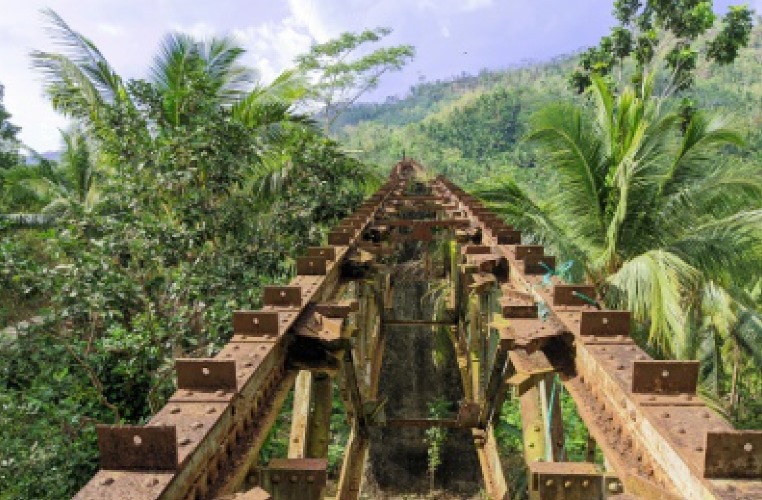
274,46
111,29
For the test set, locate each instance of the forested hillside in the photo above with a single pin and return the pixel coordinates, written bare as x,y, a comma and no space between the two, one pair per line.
472,125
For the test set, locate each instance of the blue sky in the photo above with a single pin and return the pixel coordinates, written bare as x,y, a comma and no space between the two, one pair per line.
451,36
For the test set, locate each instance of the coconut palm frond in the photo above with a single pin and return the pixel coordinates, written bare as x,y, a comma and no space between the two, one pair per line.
654,287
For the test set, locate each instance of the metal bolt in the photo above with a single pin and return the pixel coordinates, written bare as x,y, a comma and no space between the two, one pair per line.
567,484
176,409
748,448
699,448
211,409
585,483
549,482
665,415
185,441
197,425
108,481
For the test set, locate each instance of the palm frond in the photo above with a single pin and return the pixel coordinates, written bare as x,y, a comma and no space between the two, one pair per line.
655,287
81,53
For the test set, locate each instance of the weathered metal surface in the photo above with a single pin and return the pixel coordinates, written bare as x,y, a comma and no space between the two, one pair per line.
282,296
134,448
664,377
654,431
539,264
206,374
569,295
567,481
264,323
508,237
311,265
733,455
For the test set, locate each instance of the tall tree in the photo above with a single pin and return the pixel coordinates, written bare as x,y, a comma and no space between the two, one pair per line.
654,218
671,31
339,80
9,144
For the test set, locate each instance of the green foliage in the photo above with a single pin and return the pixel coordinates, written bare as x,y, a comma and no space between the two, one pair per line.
340,80
161,229
436,436
9,155
673,27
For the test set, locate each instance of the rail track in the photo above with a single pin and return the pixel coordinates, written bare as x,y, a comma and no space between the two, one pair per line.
517,330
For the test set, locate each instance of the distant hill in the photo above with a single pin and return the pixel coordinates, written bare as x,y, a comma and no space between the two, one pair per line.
48,155
472,125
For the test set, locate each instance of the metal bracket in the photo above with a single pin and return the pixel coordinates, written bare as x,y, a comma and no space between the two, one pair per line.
255,323
664,377
605,323
733,455
206,374
283,296
311,266
136,448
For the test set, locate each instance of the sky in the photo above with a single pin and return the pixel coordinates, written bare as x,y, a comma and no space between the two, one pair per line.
450,36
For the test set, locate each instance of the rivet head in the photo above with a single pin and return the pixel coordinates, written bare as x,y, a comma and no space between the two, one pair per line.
108,481
699,448
748,448
549,482
185,441
585,483
176,409
613,487
567,484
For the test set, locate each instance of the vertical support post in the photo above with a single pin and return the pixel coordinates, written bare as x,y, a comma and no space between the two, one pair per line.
532,425
550,397
350,480
489,459
320,417
297,442
590,448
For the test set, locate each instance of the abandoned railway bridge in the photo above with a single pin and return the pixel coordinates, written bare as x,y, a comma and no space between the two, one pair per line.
515,329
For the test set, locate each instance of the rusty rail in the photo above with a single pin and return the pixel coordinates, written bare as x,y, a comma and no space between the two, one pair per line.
659,439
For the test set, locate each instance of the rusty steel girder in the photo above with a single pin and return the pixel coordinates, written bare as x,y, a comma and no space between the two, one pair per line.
513,323
652,427
204,443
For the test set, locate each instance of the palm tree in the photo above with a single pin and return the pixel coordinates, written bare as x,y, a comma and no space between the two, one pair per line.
47,191
656,219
